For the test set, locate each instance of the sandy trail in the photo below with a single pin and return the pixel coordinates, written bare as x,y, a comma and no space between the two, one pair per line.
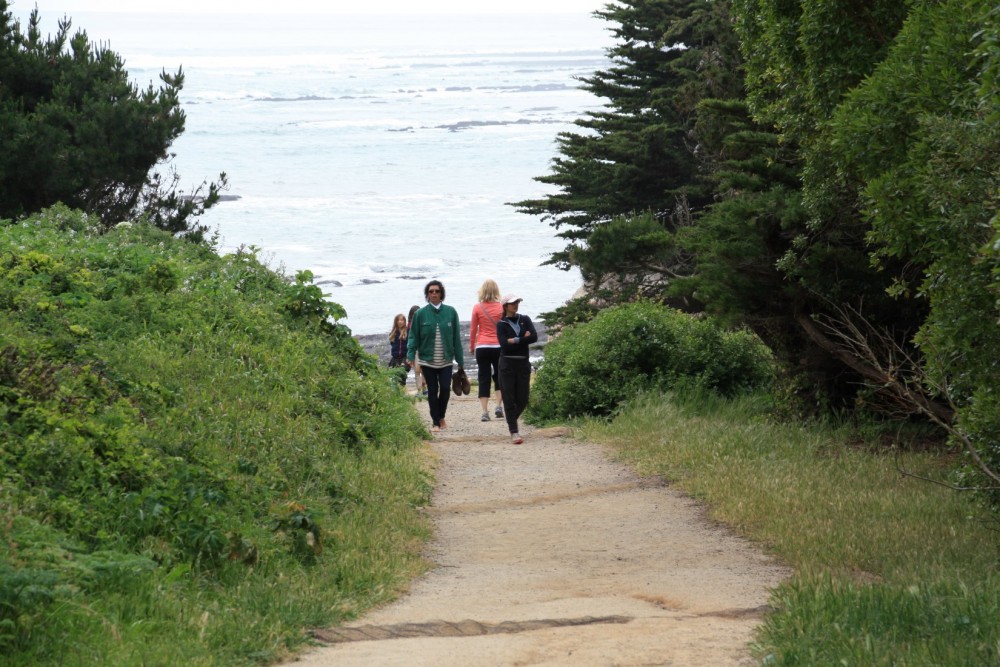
549,553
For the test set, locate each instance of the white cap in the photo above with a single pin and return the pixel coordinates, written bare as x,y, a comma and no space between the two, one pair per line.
510,298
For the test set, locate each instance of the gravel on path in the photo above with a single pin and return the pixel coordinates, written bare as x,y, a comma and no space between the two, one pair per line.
551,553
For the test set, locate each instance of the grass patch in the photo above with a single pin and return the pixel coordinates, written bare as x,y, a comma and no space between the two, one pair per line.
890,569
197,464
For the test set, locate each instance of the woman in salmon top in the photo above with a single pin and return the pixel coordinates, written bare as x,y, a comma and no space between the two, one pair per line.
484,345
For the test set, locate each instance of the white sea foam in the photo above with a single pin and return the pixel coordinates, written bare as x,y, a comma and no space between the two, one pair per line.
377,152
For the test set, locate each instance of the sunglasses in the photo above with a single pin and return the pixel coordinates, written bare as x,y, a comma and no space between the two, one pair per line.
433,291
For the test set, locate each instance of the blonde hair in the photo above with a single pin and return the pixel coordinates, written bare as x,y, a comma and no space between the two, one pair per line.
489,291
398,331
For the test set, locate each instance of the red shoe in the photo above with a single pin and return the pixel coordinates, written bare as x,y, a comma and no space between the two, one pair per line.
516,439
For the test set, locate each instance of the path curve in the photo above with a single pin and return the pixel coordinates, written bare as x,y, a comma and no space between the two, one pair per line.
549,553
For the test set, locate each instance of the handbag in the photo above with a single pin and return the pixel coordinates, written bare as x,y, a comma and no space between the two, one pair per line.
460,383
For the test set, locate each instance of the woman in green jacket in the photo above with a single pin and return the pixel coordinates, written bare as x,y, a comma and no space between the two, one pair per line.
436,338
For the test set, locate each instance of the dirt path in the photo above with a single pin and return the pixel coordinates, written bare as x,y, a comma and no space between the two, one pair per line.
548,553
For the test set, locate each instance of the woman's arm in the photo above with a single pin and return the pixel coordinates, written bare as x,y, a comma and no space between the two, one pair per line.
473,330
530,326
413,340
504,334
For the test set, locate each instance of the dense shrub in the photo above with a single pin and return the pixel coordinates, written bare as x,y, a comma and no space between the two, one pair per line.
164,409
591,368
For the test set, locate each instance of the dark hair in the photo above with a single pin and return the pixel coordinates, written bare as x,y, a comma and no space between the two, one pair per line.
434,283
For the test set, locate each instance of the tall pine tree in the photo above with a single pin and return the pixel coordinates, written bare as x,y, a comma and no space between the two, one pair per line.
631,178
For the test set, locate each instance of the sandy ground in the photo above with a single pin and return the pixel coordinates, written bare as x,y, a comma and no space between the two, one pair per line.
549,553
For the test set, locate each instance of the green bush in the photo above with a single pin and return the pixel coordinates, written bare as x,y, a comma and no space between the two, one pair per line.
170,415
591,368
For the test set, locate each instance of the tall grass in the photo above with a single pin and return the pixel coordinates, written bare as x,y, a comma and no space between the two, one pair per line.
196,465
891,569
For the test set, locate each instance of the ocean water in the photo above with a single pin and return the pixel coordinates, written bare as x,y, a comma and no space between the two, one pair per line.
377,152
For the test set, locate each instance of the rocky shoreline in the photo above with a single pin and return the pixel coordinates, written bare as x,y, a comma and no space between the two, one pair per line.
378,344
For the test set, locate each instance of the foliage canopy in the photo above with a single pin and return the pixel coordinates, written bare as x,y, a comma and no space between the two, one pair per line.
79,132
836,192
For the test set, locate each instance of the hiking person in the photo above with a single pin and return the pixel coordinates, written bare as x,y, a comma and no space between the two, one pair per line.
436,336
484,345
516,333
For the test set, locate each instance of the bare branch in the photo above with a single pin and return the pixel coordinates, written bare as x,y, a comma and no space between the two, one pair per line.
877,356
947,485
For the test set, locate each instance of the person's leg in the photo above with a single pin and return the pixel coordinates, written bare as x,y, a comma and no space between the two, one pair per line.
508,378
444,392
495,375
431,378
523,386
483,364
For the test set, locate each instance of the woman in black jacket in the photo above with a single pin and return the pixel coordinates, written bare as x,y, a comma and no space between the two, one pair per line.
516,333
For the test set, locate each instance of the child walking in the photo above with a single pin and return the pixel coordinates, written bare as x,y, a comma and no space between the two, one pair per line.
397,345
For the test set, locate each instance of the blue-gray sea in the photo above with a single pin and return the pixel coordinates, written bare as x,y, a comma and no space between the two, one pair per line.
376,151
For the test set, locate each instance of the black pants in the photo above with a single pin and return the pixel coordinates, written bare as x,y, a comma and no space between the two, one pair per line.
488,359
515,378
438,391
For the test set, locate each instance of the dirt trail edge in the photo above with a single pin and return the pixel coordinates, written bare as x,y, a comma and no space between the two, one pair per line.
549,553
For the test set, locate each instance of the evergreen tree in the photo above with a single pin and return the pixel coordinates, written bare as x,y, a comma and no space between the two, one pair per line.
737,242
77,131
784,244
630,179
928,182
827,205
